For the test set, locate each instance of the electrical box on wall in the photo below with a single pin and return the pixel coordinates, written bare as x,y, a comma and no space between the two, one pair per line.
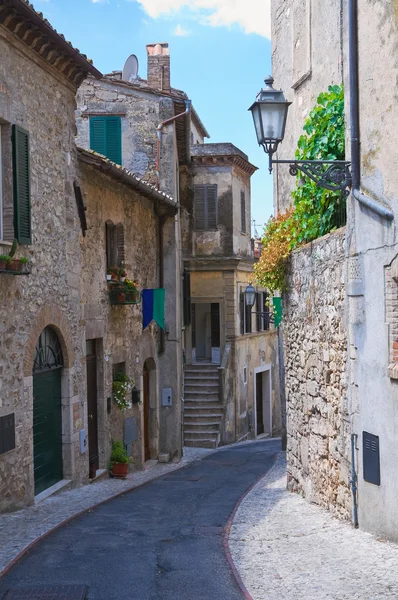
371,458
167,397
83,441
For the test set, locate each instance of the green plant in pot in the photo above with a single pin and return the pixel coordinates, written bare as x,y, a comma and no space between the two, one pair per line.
119,460
23,263
4,260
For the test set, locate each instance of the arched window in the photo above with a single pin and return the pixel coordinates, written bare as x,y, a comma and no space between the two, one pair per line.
48,352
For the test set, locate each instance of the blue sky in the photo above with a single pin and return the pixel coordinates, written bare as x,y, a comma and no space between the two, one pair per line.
220,54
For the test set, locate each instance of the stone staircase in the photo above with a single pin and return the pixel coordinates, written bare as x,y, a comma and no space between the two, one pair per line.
203,411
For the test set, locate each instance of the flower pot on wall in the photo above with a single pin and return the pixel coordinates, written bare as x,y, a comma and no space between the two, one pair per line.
13,265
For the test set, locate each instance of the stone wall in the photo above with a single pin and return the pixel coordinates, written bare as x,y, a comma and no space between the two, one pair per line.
315,346
37,98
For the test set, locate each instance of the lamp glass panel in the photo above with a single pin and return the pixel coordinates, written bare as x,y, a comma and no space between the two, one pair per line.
256,112
273,119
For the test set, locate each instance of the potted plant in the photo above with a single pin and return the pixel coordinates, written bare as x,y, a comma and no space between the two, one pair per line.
23,263
114,273
4,260
12,264
122,274
121,390
131,287
119,460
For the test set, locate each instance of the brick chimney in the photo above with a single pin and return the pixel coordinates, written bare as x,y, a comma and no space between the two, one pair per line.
158,67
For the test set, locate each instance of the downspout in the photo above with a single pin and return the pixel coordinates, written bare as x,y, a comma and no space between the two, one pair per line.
162,342
159,137
354,480
373,205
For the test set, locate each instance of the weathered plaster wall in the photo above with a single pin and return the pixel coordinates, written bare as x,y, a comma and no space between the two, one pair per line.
305,62
315,346
373,246
37,98
220,242
241,241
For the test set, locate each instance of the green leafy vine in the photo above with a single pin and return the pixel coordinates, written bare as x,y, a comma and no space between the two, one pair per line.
315,211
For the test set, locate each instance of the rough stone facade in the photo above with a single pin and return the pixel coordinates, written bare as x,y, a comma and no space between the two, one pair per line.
315,345
117,330
35,96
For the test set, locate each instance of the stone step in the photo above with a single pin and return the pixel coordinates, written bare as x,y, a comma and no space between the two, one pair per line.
201,434
205,403
191,425
201,443
203,415
201,377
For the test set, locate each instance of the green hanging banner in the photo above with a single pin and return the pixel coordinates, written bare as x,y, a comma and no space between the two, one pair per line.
277,305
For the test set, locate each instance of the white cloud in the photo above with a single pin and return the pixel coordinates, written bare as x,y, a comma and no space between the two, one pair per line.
100,1
180,31
252,15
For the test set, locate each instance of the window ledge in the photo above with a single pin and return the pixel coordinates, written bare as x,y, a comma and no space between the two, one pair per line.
4,243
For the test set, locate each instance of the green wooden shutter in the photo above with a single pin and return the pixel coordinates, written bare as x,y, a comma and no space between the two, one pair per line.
277,305
21,167
211,206
114,139
199,201
242,312
98,135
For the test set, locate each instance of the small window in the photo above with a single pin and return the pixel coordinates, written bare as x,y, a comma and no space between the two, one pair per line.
243,211
245,375
106,137
118,368
263,312
21,174
206,207
115,254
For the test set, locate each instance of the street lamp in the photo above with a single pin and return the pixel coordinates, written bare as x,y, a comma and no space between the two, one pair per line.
269,115
250,295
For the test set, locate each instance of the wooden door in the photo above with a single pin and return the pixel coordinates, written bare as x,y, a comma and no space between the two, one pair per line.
215,334
259,404
147,455
47,429
92,407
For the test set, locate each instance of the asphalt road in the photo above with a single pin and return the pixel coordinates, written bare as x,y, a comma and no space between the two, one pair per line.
163,541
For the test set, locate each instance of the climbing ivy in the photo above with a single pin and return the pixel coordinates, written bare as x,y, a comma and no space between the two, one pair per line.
315,211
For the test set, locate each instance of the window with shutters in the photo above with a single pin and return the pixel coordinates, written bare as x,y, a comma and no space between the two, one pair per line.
243,211
206,207
262,311
106,137
245,313
115,254
21,177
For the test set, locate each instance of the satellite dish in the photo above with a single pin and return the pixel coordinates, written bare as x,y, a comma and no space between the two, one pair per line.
130,69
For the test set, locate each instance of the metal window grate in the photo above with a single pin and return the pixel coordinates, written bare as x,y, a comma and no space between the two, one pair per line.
7,433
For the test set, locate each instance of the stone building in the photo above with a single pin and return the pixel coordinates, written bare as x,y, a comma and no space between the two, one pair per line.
124,219
42,358
160,137
231,387
348,279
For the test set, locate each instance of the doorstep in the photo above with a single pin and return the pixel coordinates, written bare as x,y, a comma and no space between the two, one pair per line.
54,489
99,474
149,464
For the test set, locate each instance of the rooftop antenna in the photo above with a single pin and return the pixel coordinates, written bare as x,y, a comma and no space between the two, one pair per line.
255,235
130,69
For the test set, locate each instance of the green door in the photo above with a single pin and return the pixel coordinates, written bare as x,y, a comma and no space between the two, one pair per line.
47,416
47,429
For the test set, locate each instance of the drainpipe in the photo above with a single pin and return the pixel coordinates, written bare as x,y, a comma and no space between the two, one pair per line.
373,205
354,479
159,137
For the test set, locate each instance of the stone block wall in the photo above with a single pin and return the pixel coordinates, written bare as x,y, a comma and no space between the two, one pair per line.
315,347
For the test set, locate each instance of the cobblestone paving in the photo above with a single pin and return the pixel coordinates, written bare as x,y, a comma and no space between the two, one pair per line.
287,549
19,529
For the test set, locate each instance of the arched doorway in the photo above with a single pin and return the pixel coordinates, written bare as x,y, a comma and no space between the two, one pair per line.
47,416
147,452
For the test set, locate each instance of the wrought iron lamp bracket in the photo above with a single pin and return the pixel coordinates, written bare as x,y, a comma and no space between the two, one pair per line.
334,175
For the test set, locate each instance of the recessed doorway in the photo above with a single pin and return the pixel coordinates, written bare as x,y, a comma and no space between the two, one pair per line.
263,401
